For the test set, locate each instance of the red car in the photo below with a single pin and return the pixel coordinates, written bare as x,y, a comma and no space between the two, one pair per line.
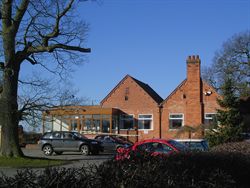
153,146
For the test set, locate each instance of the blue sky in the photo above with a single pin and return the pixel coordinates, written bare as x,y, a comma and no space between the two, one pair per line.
151,39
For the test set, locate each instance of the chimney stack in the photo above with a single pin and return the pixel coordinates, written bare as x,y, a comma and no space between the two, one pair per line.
194,91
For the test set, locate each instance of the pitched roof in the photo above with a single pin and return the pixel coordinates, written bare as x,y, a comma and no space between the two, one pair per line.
144,86
173,92
181,84
149,90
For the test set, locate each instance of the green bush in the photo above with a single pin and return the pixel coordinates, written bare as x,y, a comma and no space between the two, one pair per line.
194,170
180,170
233,147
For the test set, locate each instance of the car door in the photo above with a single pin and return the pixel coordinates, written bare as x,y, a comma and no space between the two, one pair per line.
56,141
166,149
109,144
69,142
145,148
155,148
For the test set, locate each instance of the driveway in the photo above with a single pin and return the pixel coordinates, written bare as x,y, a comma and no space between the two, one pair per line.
76,160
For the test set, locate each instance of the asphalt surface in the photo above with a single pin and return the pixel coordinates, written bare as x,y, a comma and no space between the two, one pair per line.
75,159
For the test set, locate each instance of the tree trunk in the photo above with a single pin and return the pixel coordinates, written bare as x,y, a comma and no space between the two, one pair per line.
9,113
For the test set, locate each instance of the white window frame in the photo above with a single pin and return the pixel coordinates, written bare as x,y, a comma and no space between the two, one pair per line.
152,121
122,119
213,113
169,118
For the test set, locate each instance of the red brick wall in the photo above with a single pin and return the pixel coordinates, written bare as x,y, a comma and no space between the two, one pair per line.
193,92
210,100
176,103
190,100
139,102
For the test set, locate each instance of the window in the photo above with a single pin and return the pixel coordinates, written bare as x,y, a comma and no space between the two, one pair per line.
145,121
74,125
126,93
162,148
210,118
56,135
115,122
96,125
127,121
47,135
87,123
154,147
67,136
176,121
105,126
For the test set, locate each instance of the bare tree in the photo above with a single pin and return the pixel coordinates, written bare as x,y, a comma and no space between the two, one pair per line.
232,60
39,94
44,33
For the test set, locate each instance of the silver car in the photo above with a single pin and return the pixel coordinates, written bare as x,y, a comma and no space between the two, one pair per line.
62,141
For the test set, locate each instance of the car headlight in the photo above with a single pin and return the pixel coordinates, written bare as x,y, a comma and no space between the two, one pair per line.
94,142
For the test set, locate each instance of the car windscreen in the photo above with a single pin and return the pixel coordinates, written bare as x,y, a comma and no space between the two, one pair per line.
79,135
205,145
123,139
178,145
118,139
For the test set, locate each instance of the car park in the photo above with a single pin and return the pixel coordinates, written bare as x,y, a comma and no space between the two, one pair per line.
67,141
195,144
153,147
112,142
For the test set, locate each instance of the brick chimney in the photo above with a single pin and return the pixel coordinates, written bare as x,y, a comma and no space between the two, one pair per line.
194,92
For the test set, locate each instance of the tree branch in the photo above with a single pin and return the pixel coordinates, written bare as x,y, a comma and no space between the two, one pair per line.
19,14
51,48
32,61
55,31
6,13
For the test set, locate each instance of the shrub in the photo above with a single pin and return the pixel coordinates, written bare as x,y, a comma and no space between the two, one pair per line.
235,147
181,170
193,170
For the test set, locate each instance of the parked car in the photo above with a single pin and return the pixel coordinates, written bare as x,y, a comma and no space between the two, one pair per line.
152,146
61,141
113,142
195,144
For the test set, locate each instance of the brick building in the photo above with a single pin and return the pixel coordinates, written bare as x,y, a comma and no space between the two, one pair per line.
192,103
134,109
139,108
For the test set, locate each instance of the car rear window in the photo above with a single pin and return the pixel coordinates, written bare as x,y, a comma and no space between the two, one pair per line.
56,135
47,135
178,145
196,145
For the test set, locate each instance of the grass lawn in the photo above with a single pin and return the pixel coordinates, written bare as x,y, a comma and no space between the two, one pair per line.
28,162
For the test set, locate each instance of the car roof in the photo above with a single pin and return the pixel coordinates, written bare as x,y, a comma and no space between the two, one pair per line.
61,132
154,140
114,135
190,140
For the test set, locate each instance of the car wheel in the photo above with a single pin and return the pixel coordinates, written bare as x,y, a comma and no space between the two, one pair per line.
58,152
47,150
84,149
